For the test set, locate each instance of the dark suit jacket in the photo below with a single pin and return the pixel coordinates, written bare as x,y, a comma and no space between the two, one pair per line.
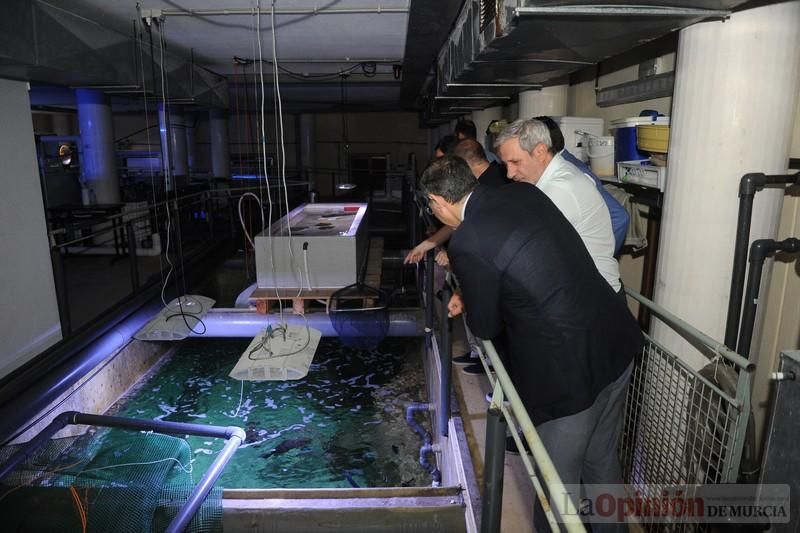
525,272
494,175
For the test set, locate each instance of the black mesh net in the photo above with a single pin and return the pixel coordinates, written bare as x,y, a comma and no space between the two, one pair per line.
137,484
360,315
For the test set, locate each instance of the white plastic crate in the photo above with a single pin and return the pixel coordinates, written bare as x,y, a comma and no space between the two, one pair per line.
642,173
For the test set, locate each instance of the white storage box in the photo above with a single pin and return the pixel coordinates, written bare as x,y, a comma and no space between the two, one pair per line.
331,238
577,143
642,173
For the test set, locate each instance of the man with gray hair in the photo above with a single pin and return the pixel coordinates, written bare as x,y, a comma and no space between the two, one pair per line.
569,340
525,148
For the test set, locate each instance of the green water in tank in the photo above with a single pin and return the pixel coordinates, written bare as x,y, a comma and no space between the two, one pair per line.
343,425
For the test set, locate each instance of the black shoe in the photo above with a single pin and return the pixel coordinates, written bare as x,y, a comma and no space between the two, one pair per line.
489,395
474,370
466,359
511,446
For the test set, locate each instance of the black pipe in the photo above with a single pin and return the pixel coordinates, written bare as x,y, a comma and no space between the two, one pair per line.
56,425
31,388
429,297
233,435
493,469
749,185
130,236
446,355
759,251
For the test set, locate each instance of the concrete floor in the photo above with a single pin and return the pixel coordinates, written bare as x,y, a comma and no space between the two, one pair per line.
518,492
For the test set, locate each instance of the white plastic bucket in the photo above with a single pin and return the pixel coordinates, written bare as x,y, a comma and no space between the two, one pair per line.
601,155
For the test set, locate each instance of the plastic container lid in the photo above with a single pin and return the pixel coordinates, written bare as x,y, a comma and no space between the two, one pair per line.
631,122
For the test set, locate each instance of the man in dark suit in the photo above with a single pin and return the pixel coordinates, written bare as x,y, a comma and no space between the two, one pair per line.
487,173
570,340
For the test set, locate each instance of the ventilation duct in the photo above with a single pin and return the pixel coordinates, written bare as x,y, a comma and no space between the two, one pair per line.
498,48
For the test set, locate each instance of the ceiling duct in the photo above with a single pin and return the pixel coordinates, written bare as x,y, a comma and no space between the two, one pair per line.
43,43
498,47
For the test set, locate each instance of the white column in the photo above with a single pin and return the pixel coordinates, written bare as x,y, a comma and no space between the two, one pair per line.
175,153
736,87
97,156
482,118
550,101
190,121
220,149
306,133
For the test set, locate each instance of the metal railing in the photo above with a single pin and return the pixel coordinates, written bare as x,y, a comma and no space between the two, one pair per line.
683,427
142,235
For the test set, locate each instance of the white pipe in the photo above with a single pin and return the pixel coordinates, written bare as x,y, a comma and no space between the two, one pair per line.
110,250
550,101
220,149
98,163
246,323
278,12
243,300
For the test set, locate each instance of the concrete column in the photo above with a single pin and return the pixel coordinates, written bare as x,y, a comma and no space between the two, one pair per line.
482,118
736,87
220,149
97,157
550,101
190,123
173,141
305,123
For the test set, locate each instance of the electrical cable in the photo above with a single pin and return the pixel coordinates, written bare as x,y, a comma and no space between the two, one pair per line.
241,217
147,132
282,152
168,179
264,155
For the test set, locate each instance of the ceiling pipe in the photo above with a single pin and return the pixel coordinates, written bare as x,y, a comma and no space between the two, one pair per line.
155,13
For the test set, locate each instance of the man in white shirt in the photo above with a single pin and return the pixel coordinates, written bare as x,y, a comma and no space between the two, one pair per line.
524,146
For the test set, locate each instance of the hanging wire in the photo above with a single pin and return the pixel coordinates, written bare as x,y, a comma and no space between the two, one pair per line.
282,152
168,179
147,128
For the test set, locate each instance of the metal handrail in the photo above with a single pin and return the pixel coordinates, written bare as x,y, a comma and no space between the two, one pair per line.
516,414
689,330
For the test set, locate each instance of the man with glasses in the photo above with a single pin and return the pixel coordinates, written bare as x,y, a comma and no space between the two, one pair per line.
570,340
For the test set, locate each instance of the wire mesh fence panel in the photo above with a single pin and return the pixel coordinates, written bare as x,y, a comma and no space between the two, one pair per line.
679,429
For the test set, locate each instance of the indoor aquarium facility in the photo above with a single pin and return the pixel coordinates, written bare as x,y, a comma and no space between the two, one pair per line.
479,266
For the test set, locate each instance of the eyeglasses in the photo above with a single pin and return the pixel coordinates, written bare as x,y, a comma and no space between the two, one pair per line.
424,204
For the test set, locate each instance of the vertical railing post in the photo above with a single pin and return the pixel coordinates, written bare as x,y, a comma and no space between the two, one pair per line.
445,352
209,208
232,216
176,223
62,298
429,298
130,236
494,465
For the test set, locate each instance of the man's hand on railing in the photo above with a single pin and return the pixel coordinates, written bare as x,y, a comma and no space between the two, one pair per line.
455,306
418,252
441,259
